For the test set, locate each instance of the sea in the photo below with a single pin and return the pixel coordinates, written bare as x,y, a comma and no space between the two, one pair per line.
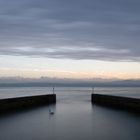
74,118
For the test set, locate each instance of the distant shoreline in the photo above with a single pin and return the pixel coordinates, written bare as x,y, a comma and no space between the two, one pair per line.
35,84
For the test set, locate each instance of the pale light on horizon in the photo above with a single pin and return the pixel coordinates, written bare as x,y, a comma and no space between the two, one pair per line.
77,69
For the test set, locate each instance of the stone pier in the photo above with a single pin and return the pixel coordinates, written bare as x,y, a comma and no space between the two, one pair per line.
26,102
128,103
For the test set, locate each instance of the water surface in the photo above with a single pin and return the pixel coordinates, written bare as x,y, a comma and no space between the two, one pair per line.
74,117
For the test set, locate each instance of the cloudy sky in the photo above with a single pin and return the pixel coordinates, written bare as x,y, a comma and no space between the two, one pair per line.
70,38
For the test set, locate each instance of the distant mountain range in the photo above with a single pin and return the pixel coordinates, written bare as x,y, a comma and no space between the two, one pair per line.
47,81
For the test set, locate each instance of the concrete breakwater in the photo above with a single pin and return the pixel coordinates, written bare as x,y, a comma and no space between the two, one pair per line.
28,101
128,103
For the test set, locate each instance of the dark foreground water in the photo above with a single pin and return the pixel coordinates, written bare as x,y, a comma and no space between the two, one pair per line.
74,117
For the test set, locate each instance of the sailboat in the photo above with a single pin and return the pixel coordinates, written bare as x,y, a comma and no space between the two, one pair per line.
51,111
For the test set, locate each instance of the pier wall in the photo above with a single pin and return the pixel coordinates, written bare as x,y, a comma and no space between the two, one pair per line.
132,104
28,101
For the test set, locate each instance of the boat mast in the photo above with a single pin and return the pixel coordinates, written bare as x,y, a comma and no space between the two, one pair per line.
92,90
53,89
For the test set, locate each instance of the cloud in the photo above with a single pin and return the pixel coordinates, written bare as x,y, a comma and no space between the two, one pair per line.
83,29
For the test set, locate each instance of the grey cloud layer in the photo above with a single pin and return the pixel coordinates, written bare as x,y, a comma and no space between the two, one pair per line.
76,29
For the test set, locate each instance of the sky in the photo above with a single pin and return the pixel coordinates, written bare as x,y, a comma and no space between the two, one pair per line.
70,38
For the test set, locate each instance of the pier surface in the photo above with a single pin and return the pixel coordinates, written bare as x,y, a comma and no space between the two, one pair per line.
28,101
128,103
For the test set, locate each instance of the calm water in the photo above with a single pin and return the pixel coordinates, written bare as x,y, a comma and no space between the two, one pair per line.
75,117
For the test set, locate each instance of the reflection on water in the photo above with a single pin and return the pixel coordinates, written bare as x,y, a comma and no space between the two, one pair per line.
74,118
